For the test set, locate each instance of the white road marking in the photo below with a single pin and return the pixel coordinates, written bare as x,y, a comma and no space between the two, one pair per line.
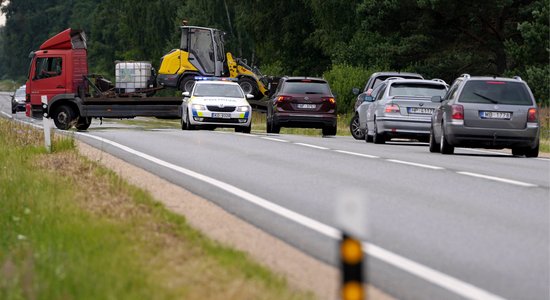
510,181
7,115
415,164
274,139
357,154
450,283
311,146
443,280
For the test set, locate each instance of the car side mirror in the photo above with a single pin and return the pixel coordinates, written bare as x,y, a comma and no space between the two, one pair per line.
436,99
249,96
355,91
186,94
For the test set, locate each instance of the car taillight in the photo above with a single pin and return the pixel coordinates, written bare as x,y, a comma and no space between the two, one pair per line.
329,99
281,99
392,108
532,115
457,112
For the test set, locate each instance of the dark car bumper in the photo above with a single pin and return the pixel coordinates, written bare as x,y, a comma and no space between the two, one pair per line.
460,136
306,121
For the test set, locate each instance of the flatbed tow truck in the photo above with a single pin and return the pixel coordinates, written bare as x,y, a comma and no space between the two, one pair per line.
59,87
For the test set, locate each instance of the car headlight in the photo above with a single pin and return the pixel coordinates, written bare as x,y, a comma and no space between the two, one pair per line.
198,107
243,108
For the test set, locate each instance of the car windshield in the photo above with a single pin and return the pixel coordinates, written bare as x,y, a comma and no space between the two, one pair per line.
20,92
495,92
218,90
417,89
312,87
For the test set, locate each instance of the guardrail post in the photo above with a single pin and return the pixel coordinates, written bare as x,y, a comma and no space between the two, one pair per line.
47,125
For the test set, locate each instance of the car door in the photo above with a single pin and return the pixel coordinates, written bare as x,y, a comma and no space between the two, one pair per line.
371,111
444,107
48,78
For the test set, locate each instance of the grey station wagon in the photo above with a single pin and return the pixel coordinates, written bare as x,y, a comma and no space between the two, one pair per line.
486,112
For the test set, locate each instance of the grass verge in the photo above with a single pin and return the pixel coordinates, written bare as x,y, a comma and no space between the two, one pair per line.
74,230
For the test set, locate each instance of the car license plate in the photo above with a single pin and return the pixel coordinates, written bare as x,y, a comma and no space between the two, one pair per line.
421,110
495,115
306,106
221,115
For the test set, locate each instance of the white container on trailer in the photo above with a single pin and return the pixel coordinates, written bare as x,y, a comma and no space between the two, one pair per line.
131,76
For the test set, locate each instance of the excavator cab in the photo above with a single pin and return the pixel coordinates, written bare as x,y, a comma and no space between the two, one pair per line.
201,53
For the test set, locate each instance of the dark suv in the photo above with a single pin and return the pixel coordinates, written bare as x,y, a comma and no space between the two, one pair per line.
486,112
302,102
374,80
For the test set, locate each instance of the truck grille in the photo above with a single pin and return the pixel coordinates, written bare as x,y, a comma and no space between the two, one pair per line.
221,109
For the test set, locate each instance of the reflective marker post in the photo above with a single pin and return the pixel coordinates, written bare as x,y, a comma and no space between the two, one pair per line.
351,258
351,217
47,125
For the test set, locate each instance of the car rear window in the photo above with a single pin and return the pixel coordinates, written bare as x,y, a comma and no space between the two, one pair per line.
218,90
381,79
417,89
311,87
495,92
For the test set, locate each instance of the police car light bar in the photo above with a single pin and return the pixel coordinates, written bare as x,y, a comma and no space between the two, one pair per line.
205,78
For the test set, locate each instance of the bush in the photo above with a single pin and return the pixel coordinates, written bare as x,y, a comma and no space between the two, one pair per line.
342,79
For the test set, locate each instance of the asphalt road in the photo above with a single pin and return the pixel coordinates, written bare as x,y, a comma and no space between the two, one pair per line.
471,225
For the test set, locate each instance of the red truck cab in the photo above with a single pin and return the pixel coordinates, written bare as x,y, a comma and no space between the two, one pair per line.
57,70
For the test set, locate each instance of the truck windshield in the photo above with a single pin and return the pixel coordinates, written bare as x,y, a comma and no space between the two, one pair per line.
218,90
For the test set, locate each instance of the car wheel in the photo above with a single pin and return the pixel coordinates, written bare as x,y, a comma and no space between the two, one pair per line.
354,128
188,125
187,83
13,109
250,86
434,146
444,146
328,131
83,123
275,127
378,138
246,129
533,152
64,117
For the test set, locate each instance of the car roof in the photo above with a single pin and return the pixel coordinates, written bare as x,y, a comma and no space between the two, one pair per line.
216,82
395,74
419,81
494,78
304,77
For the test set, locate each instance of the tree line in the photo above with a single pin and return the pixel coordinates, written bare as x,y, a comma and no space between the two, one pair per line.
344,41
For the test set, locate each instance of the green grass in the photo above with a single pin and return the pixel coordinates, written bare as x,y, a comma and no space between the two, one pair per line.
8,85
73,230
544,115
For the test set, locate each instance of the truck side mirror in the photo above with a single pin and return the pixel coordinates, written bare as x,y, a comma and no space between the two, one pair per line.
186,94
355,91
436,99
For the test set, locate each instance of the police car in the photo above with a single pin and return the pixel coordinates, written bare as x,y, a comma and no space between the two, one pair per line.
216,102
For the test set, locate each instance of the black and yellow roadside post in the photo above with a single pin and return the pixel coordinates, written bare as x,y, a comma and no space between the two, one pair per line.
351,258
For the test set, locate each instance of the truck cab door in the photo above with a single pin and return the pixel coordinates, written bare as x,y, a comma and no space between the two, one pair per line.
202,53
47,78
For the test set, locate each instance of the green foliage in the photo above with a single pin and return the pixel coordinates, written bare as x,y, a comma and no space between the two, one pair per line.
342,79
437,38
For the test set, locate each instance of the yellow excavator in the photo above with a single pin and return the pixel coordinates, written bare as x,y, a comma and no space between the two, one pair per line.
201,53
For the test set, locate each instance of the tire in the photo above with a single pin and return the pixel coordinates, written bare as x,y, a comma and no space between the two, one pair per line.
13,109
434,146
246,129
83,123
444,145
533,152
183,122
329,131
378,138
64,117
188,125
187,83
250,86
354,128
275,127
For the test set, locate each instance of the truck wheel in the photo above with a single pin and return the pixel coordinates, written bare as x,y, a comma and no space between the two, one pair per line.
187,83
83,123
250,86
64,117
354,128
